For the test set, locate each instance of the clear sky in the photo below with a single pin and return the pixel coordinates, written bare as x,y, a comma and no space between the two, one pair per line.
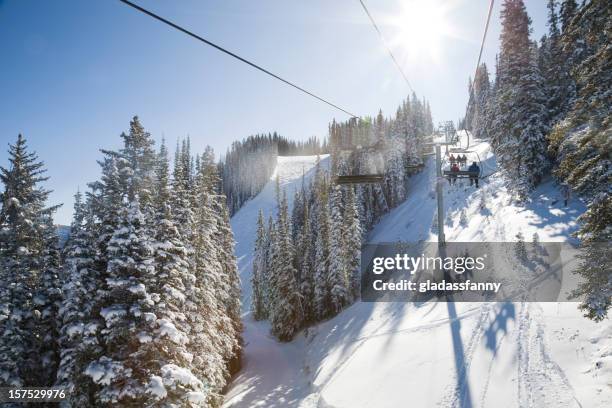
74,72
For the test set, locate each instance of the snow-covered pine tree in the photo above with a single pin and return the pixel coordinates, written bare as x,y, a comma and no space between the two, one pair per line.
519,140
106,196
581,146
519,247
258,295
468,121
568,10
212,332
48,298
559,87
78,333
352,236
306,281
297,213
571,53
396,171
139,154
286,312
481,97
272,252
337,276
321,247
85,285
168,290
129,312
267,271
491,122
28,273
595,288
229,294
183,201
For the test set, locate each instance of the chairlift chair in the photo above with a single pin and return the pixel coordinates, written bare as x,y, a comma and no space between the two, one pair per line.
465,173
359,179
364,179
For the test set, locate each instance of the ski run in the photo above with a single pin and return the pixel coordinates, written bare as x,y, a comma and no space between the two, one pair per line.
234,281
430,354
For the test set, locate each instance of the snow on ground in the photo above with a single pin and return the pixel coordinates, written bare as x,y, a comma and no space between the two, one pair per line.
244,223
432,354
262,351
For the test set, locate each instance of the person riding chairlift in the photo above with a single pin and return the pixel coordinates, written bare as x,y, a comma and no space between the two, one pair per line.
463,160
452,159
454,169
474,169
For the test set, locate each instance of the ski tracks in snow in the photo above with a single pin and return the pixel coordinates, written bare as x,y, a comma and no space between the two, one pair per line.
457,391
540,380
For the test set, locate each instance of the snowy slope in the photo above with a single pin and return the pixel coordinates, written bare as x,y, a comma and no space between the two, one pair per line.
262,351
438,354
244,223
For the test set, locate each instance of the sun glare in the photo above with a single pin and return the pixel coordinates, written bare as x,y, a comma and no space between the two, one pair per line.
420,28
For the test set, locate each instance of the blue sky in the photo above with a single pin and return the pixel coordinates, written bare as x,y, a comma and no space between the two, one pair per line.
74,72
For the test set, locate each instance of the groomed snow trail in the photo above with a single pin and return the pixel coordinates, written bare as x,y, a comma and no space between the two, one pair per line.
432,354
269,377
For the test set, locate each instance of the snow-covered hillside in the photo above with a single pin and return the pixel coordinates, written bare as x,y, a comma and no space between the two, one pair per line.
432,354
289,170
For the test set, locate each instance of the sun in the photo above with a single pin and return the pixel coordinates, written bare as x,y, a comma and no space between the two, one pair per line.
420,29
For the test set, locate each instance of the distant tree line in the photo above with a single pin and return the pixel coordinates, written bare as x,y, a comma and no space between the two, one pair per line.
249,164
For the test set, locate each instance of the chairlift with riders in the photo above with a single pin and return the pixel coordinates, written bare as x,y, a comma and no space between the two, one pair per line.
474,159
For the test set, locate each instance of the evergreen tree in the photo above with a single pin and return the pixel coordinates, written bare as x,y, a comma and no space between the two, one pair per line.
306,281
568,11
29,275
183,198
124,305
139,155
286,313
230,293
468,121
519,247
352,235
322,245
337,276
258,298
151,309
519,128
213,338
142,341
481,96
558,85
78,340
581,145
169,288
211,183
48,298
595,289
272,262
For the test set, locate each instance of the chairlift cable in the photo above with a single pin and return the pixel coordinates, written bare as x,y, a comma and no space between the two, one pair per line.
482,43
382,38
234,55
